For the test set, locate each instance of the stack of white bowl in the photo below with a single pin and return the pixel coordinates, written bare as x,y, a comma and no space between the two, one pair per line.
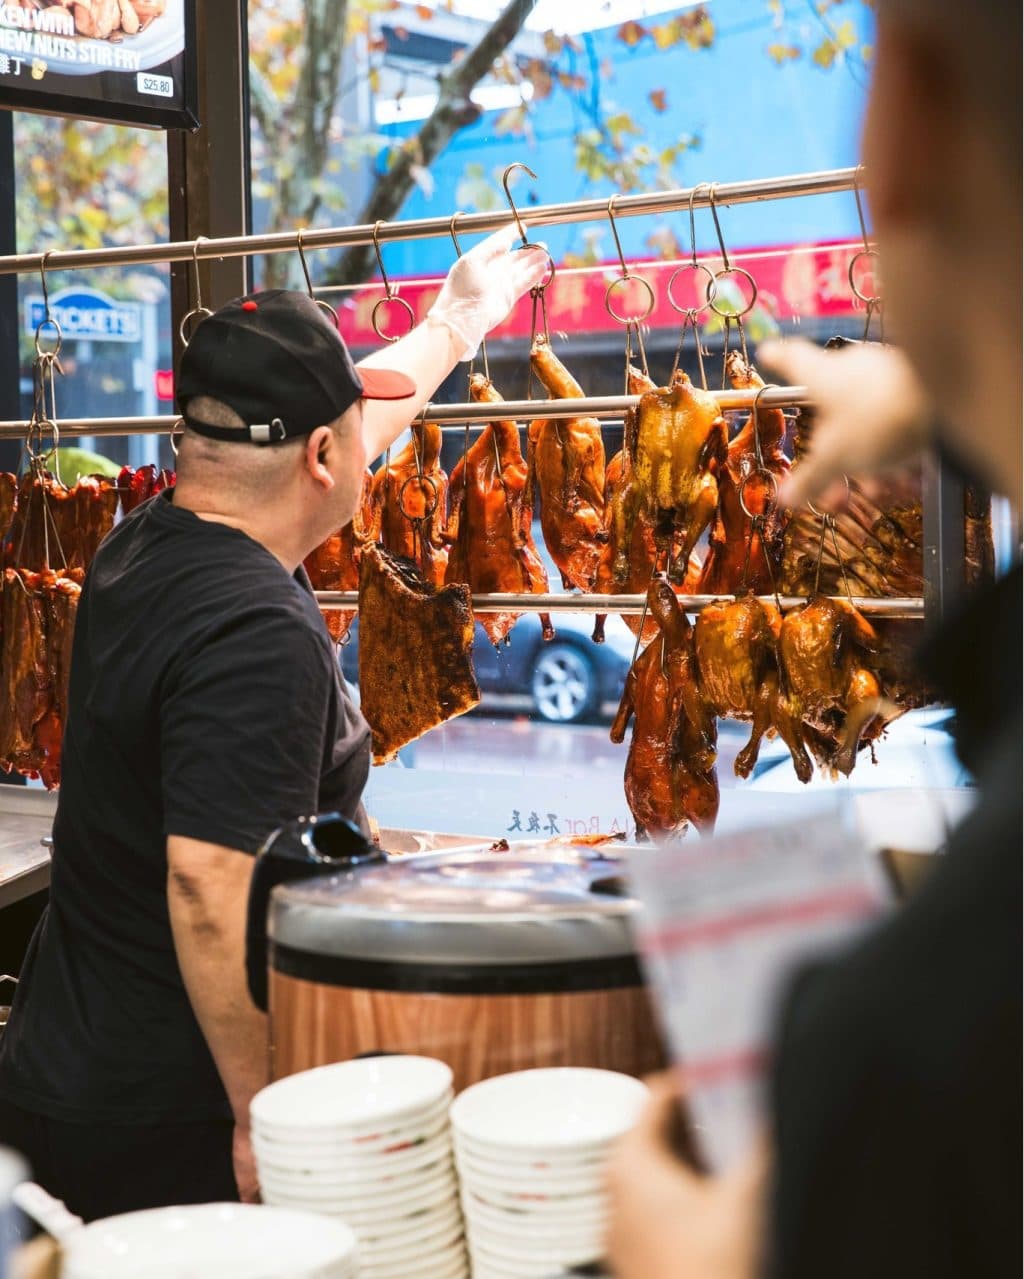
368,1142
531,1150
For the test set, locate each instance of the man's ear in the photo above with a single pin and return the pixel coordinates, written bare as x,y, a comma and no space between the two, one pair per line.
318,456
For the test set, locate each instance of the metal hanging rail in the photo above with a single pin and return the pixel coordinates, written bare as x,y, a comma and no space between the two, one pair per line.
884,606
826,182
447,415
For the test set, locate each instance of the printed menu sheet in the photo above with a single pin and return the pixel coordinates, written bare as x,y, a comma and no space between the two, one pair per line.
724,924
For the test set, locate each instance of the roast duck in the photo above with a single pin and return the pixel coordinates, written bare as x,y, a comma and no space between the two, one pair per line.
670,779
409,503
334,565
735,543
490,522
566,465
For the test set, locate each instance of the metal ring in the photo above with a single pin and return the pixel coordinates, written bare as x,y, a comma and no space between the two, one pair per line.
862,253
418,479
773,484
709,293
202,312
721,275
385,301
48,322
518,248
329,311
652,301
826,515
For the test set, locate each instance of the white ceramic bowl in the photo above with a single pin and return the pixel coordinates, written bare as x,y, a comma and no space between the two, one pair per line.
504,1161
541,1224
451,1263
364,1095
440,1244
399,1234
369,1136
495,1252
433,1187
556,1110
231,1241
531,1189
343,1167
369,1210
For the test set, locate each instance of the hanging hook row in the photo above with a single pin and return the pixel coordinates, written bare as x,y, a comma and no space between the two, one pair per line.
728,269
390,295
526,243
872,301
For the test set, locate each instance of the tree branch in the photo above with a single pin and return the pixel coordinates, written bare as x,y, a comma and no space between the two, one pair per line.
453,111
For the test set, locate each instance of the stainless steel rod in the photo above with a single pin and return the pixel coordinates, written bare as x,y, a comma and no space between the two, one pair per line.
445,414
779,188
903,606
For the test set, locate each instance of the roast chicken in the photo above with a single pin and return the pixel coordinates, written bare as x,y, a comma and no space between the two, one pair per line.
679,446
670,776
334,565
826,649
566,464
409,503
489,527
415,651
737,645
732,531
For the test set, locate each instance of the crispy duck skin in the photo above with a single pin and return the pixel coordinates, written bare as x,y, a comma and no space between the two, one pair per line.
26,695
409,504
826,649
732,529
979,549
492,547
415,651
670,776
566,464
334,565
680,444
737,644
8,494
137,486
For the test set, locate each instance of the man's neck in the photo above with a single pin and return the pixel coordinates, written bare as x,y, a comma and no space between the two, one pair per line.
272,533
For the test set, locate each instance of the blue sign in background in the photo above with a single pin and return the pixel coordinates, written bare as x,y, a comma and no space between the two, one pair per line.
87,313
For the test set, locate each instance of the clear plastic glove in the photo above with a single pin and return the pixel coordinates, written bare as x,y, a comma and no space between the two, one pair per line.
871,411
484,285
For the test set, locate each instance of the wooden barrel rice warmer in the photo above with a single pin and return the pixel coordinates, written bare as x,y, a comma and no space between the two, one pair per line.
492,962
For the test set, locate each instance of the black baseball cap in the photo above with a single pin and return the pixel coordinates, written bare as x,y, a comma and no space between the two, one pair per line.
277,359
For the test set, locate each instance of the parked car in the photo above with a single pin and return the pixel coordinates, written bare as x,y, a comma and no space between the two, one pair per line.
566,679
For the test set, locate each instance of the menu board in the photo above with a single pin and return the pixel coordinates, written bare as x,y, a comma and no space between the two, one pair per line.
129,61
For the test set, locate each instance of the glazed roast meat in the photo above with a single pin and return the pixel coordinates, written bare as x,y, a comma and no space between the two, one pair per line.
827,649
409,503
334,565
58,526
670,776
135,486
732,529
8,496
489,527
566,465
415,651
737,644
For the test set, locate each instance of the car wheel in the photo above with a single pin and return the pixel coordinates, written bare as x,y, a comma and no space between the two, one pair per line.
564,684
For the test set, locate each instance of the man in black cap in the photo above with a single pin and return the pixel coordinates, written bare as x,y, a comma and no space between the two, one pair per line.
206,709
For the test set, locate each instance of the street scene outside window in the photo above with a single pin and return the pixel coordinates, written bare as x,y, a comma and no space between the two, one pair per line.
375,110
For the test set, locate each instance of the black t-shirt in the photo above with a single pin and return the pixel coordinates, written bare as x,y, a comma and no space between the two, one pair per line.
897,1088
205,701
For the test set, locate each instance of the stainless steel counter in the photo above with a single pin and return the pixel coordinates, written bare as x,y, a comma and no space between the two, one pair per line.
26,819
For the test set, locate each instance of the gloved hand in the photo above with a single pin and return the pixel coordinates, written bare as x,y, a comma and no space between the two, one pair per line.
484,285
871,411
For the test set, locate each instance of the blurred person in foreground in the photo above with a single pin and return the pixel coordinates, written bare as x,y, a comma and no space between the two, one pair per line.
894,1147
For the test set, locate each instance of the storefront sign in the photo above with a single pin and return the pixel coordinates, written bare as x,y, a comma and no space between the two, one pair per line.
133,62
86,313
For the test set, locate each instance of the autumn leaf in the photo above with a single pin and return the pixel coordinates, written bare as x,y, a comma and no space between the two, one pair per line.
631,33
846,35
780,53
552,43
373,79
425,12
538,73
824,55
657,99
667,34
511,123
